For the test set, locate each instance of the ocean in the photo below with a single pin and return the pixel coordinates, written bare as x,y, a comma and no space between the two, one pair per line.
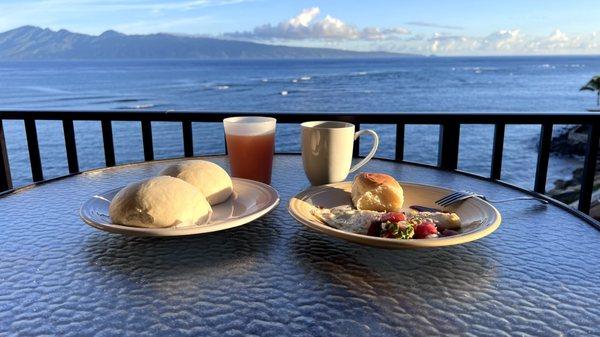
441,84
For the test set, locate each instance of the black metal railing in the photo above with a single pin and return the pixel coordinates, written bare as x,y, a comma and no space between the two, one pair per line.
448,141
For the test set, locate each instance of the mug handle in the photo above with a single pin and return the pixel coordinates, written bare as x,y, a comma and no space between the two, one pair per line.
373,149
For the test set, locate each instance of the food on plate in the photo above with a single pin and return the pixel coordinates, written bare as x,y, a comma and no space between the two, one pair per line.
346,218
159,202
378,200
377,192
415,225
208,177
392,225
444,220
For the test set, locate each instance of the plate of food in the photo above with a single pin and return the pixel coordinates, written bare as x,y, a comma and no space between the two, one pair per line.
187,198
377,210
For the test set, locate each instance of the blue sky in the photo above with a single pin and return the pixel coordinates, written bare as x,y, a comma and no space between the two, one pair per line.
439,27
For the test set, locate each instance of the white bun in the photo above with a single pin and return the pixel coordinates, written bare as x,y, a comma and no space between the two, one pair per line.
159,202
210,178
377,192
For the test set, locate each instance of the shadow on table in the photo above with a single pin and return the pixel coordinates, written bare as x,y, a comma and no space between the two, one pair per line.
405,274
226,253
329,197
533,207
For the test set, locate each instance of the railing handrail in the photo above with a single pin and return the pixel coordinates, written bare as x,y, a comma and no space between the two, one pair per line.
291,117
449,123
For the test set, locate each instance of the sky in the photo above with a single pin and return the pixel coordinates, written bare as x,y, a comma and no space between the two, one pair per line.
458,27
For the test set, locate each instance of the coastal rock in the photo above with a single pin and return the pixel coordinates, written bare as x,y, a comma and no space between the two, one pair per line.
560,184
570,141
567,191
595,210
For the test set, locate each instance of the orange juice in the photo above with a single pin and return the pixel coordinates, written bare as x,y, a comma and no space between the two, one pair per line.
251,156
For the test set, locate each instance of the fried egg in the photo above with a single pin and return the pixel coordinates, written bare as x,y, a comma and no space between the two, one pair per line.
444,220
346,218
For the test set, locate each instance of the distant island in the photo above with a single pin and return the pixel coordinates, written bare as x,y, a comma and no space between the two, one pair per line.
35,43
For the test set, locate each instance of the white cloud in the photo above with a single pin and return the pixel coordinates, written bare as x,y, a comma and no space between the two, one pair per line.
514,42
307,26
310,28
305,17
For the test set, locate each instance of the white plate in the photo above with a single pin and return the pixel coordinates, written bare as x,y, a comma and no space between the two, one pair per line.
250,201
478,217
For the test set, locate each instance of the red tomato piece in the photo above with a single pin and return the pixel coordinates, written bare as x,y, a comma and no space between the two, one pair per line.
424,229
393,217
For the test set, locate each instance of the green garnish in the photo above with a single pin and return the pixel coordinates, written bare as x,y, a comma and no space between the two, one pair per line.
398,230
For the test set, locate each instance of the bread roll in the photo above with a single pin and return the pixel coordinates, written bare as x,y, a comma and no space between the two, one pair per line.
377,192
210,178
159,202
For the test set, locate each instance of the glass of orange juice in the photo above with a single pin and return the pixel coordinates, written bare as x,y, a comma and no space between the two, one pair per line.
250,145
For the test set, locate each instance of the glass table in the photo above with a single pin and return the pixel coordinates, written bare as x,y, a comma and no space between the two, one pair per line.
538,274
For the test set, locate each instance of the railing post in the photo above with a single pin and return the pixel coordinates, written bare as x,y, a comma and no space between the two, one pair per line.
5,177
589,168
541,170
109,147
34,150
356,149
147,140
400,128
188,138
70,145
448,145
497,151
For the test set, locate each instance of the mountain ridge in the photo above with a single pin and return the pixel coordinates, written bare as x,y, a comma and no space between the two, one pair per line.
31,42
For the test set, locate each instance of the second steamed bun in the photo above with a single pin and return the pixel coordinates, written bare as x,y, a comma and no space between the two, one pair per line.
209,178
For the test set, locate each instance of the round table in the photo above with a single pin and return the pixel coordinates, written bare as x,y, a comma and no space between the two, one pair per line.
538,274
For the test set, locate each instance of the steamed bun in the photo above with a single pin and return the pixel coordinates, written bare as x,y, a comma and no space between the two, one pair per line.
377,192
159,202
209,178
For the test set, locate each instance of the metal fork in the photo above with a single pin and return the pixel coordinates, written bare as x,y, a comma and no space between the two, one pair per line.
462,195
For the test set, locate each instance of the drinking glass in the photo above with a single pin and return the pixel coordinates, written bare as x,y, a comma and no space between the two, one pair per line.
250,145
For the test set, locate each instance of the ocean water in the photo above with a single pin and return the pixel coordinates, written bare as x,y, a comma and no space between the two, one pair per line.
471,84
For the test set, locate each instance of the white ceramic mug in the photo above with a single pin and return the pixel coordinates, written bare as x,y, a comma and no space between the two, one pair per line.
327,150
